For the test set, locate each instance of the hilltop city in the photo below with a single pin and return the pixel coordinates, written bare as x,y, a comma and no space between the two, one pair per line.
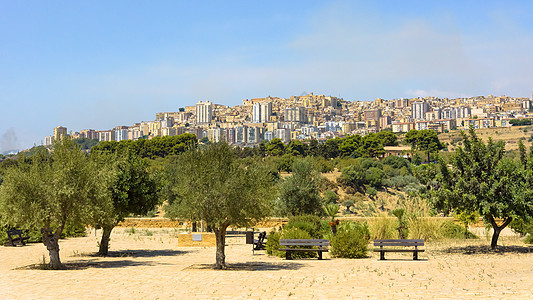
316,117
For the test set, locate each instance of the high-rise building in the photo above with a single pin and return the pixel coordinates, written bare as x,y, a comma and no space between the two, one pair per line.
419,110
241,135
106,135
215,134
59,132
48,140
89,134
255,135
295,114
261,112
204,112
121,133
284,134
372,114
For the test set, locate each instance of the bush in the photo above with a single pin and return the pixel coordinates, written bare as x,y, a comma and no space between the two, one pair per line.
529,239
311,224
272,244
521,226
395,161
400,181
351,240
451,230
322,165
330,197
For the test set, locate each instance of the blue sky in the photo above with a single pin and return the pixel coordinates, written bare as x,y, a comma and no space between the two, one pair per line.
99,64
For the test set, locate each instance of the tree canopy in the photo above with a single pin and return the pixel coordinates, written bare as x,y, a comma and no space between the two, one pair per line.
482,180
49,191
213,186
299,193
133,190
156,147
424,140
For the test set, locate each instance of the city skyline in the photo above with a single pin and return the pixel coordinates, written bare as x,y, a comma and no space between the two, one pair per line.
99,65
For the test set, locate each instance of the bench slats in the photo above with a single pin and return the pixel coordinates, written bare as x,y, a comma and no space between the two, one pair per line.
398,243
15,237
399,250
304,243
398,240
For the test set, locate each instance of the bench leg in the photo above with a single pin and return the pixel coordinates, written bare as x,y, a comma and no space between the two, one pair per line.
415,255
381,255
320,255
288,255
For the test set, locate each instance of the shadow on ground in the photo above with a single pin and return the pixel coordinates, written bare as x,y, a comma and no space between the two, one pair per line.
141,253
86,264
486,250
248,266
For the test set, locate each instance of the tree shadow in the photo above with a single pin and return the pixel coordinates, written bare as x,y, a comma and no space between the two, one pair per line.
485,249
86,264
142,253
248,266
82,265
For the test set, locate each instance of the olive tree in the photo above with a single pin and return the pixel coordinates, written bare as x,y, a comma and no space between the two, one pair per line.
132,189
49,191
211,185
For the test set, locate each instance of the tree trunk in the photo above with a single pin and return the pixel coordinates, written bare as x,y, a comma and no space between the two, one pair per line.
104,243
51,241
497,230
220,234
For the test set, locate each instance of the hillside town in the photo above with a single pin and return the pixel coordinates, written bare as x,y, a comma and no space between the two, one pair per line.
316,117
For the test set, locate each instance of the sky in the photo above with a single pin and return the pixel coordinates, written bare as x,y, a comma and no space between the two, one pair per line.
100,64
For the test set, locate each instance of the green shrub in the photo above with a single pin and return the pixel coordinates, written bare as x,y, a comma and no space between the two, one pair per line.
529,239
313,225
400,181
272,244
451,230
296,233
351,240
522,226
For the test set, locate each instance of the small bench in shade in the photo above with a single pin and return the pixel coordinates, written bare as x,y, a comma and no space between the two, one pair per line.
15,238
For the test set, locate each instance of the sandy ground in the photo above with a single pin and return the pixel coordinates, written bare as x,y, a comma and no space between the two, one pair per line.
149,264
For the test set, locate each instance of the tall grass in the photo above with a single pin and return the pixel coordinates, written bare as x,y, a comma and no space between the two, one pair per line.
425,228
383,227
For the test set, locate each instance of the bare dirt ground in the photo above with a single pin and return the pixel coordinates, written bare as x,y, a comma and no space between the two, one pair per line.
148,264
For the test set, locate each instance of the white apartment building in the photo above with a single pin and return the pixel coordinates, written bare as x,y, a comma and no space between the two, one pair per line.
295,114
419,109
204,112
261,112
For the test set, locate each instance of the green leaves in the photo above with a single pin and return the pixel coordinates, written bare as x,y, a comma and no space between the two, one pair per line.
211,185
481,179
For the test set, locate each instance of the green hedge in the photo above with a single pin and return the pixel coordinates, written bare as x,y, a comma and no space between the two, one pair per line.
351,240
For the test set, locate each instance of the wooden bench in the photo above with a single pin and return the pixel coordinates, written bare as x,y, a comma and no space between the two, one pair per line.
321,244
398,243
259,243
15,237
